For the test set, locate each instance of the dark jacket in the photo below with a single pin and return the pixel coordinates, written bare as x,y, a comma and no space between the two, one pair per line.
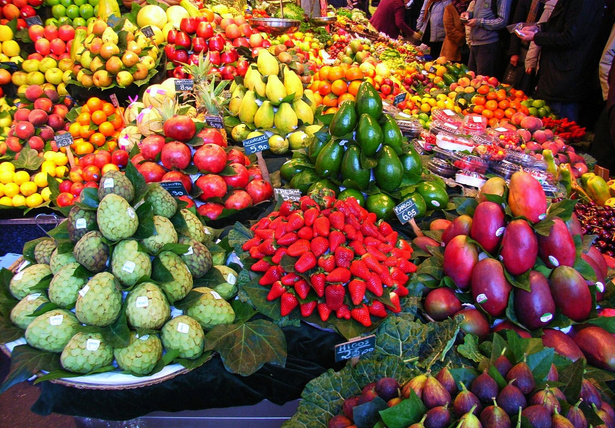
566,39
520,14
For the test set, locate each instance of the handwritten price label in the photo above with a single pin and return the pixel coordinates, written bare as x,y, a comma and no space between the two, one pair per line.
175,188
214,121
147,32
256,144
288,194
184,84
406,211
113,20
399,98
63,140
34,20
355,348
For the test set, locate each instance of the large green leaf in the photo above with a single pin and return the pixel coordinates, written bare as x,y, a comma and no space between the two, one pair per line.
26,362
28,159
245,348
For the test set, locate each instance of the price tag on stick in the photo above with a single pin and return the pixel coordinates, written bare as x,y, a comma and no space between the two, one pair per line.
355,348
175,188
399,98
287,194
34,20
184,85
406,211
147,32
215,121
256,144
63,140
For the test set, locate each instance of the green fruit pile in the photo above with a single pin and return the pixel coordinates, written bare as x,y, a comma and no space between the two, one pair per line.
365,151
72,12
110,260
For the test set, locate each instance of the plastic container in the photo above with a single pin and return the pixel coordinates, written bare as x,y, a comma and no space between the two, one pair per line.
446,115
523,159
470,178
474,124
454,142
442,153
441,167
504,169
469,163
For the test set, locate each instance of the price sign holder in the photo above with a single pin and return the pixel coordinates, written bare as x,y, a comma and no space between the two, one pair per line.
215,121
355,348
257,145
287,194
184,85
405,212
399,98
113,20
34,20
147,32
65,140
175,188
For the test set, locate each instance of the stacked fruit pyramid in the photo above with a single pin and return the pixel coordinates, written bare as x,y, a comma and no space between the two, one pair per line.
113,268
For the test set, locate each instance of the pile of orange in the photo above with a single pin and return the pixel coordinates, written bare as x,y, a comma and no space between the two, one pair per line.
497,104
98,125
333,84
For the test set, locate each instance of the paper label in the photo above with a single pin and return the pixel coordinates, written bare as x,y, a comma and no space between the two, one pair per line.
84,290
232,279
56,320
477,119
18,276
33,296
131,212
142,302
600,286
449,112
482,256
109,183
183,327
546,317
147,32
144,337
215,121
92,344
81,223
399,98
129,266
63,140
189,252
184,84
554,261
288,194
542,216
481,298
500,231
216,295
435,203
500,129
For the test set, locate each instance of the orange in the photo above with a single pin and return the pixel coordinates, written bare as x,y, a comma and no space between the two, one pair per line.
324,72
504,104
330,100
518,93
85,132
94,103
106,128
339,87
112,145
491,105
208,14
98,139
483,89
487,113
74,129
108,109
501,94
344,97
336,73
478,100
354,73
509,112
353,87
85,109
498,113
84,119
515,104
118,121
324,88
330,110
493,122
478,109
99,117
492,96
83,148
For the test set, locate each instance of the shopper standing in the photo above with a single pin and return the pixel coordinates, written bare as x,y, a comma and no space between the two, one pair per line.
486,52
431,25
389,19
455,37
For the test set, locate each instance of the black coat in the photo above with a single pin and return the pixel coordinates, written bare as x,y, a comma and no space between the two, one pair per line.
566,40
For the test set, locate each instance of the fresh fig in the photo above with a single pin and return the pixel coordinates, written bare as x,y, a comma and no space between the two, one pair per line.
469,420
607,408
420,424
465,402
447,380
349,405
559,421
485,388
387,388
576,416
417,384
438,417
494,417
339,421
590,394
609,422
502,364
553,375
434,394
511,399
538,416
546,397
522,377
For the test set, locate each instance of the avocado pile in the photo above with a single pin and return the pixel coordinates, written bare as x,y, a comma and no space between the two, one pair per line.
365,151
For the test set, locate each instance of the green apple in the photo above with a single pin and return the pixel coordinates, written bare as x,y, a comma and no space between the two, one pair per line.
148,61
46,64
67,75
35,78
31,65
54,76
65,64
124,78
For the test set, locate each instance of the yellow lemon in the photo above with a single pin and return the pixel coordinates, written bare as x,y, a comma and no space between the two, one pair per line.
46,194
61,171
6,33
49,155
21,177
40,179
7,166
48,168
6,176
28,188
11,48
6,201
1,189
34,200
18,200
11,189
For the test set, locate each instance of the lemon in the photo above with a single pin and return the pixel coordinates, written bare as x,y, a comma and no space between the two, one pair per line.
10,48
49,155
5,33
40,179
1,189
34,200
6,176
6,201
18,200
59,158
28,188
7,166
11,189
21,177
48,168
151,15
46,194
61,171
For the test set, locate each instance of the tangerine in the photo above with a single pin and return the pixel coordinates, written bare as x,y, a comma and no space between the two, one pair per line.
336,73
354,73
339,87
483,89
109,109
94,103
98,139
98,117
106,128
84,119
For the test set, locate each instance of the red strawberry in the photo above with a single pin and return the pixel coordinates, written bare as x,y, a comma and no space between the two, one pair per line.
307,308
319,245
402,244
280,229
369,229
371,218
385,248
288,239
290,279
295,221
361,314
343,312
351,232
306,233
318,281
343,256
289,302
267,247
377,253
391,261
396,305
322,226
255,254
277,289
401,290
327,263
337,220
372,263
265,233
339,275
358,247
251,243
406,266
324,311
374,284
398,275
402,254
356,289
302,288
334,296
277,257
306,262
287,207
336,238
298,248
391,238
307,202
385,228
370,241
386,278
261,266
377,309
310,215
360,270
273,274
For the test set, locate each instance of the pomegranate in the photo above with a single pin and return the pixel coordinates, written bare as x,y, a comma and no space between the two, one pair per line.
179,127
175,155
212,186
210,158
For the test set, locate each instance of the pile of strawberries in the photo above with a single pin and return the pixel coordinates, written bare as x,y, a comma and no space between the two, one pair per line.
332,256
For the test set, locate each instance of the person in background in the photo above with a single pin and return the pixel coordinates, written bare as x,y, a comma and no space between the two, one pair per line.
565,41
389,19
338,3
413,12
485,47
431,25
455,30
532,56
361,5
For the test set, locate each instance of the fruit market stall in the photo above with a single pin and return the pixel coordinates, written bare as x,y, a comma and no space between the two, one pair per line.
247,200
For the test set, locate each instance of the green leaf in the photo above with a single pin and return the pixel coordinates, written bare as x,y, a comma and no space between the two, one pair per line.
9,331
572,378
562,209
607,323
367,415
243,311
245,348
540,363
520,281
585,269
212,278
469,348
118,334
60,231
45,307
499,379
198,362
62,374
406,413
89,199
145,214
26,362
28,159
137,180
179,249
238,235
28,249
191,298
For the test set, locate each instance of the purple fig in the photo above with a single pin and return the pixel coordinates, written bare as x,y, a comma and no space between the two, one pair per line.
438,417
387,388
609,422
559,421
447,380
466,401
416,384
511,399
522,377
469,420
538,416
547,398
590,394
607,408
420,424
576,416
434,394
350,404
553,375
494,417
339,421
503,364
485,388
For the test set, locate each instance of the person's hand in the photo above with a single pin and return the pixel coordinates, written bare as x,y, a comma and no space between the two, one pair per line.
472,22
529,70
527,36
514,60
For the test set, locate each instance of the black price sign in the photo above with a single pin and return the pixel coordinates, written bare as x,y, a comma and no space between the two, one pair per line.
63,140
288,194
114,101
256,144
34,20
355,348
184,84
113,20
12,66
147,32
214,121
406,211
399,98
175,188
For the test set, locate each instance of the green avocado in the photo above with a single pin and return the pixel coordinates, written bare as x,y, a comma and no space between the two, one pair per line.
389,170
392,134
369,101
344,120
435,196
369,135
329,160
351,167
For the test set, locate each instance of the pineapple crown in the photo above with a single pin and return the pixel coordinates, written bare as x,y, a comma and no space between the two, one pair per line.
207,93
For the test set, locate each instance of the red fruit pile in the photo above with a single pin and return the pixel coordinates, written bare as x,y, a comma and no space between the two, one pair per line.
51,41
333,257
